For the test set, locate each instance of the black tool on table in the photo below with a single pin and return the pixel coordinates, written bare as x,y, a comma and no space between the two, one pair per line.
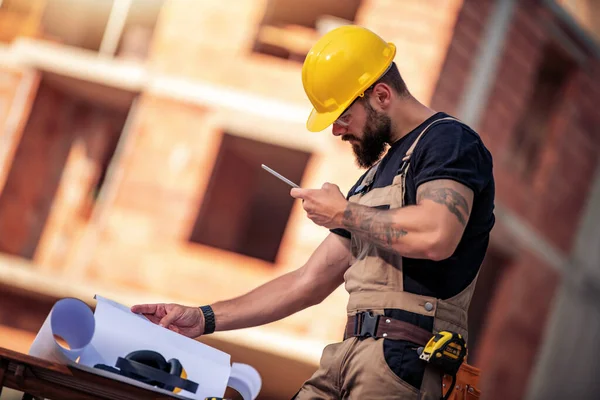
152,368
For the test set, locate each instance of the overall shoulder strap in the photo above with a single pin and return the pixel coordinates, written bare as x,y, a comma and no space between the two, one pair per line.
406,158
367,180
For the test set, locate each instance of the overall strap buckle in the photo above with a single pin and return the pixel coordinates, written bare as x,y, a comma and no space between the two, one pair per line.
365,324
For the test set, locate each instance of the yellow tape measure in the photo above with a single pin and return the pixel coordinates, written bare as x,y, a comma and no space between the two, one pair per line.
447,350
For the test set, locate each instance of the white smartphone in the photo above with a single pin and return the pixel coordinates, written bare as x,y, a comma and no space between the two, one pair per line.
283,178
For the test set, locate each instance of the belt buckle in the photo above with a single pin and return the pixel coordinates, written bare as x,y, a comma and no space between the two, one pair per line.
367,325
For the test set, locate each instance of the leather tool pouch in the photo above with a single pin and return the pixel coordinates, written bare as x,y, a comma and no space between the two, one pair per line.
467,382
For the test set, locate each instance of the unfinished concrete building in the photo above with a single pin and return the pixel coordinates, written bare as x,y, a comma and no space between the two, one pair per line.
132,133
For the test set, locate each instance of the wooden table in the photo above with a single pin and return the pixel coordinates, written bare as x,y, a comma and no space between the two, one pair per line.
40,378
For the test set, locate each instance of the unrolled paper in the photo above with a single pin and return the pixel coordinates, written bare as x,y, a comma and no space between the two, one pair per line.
113,331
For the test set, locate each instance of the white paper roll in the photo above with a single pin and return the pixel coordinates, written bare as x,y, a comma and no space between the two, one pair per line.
73,321
246,380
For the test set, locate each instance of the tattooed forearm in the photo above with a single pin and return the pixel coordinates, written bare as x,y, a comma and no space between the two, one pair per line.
453,200
372,224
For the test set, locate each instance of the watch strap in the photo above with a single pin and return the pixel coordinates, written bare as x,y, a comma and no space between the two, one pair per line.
209,319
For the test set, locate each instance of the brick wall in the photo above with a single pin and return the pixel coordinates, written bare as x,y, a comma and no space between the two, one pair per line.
27,197
170,150
553,205
17,92
458,62
515,327
568,165
550,200
21,19
510,95
56,164
9,82
95,132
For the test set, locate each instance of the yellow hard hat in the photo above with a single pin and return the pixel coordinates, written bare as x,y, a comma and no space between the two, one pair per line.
339,67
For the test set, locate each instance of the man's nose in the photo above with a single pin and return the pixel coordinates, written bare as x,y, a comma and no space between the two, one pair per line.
338,129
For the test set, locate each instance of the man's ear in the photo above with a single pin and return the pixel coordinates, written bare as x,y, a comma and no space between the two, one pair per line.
382,96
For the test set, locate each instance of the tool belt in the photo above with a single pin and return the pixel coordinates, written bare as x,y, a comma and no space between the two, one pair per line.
367,324
461,384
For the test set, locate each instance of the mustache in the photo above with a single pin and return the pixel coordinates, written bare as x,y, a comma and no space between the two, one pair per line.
348,137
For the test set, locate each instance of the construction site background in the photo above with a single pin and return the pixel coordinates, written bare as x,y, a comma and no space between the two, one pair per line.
132,134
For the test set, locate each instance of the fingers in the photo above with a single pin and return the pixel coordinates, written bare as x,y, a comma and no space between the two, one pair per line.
157,315
144,308
169,318
153,318
330,186
298,193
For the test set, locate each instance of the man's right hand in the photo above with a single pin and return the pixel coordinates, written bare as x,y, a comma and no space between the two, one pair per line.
187,321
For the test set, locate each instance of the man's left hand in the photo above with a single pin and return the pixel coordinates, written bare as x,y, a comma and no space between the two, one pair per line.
325,206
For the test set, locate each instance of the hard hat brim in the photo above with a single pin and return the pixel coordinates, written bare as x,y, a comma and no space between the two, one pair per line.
318,122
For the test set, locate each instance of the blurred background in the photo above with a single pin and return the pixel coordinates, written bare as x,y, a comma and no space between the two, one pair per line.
132,133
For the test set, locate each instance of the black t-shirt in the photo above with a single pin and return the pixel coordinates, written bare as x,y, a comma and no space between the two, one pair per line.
448,150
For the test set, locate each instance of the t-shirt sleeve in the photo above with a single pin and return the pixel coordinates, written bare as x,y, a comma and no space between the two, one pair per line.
451,151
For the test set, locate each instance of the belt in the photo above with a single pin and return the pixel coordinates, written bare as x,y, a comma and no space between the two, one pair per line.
365,324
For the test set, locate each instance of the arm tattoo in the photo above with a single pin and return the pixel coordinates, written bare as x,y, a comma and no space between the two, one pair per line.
373,224
453,200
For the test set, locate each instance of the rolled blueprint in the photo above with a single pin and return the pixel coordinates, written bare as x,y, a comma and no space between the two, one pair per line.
73,321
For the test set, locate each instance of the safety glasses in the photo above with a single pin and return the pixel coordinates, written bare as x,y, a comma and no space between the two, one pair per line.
346,117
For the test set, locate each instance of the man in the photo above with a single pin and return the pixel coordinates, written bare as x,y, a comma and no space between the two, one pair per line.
407,241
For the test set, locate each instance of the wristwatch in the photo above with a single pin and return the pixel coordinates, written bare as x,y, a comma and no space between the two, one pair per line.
209,319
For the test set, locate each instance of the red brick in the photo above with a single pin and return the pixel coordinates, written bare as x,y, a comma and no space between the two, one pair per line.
36,170
459,58
476,11
481,8
9,83
531,21
508,97
523,54
518,314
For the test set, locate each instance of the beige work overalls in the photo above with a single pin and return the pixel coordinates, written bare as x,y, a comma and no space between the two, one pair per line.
356,368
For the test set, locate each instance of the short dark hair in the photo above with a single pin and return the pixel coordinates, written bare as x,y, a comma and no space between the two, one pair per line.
393,79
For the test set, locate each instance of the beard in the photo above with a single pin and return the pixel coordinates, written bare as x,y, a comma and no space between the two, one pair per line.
376,137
